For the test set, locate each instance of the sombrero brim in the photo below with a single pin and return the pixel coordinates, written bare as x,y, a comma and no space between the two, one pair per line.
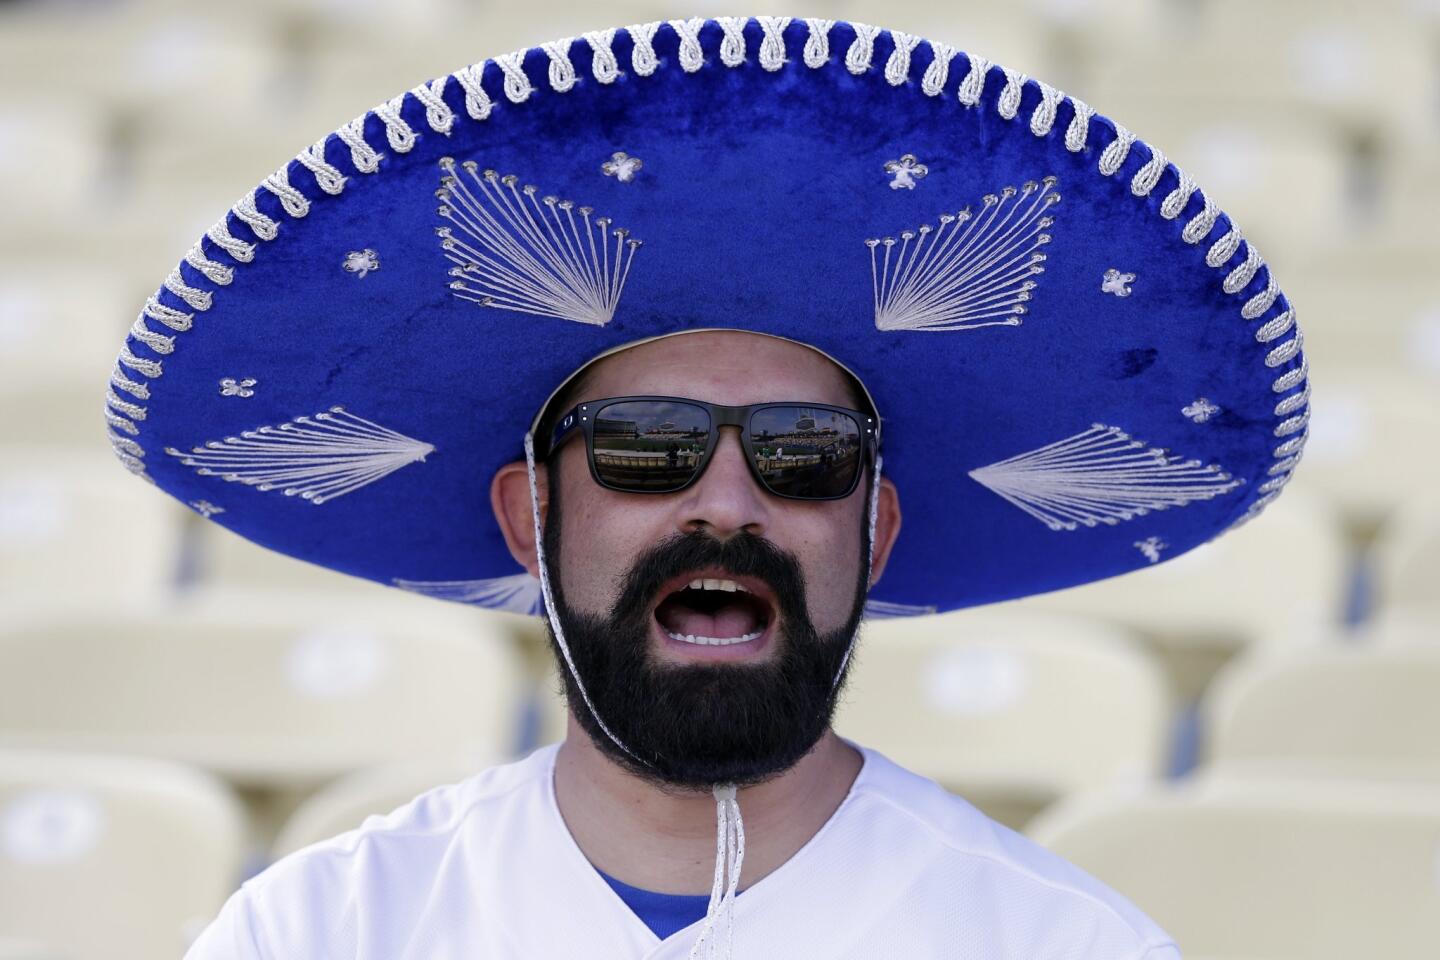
1081,365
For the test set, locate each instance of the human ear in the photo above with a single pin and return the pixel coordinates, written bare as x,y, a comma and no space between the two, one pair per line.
887,528
510,499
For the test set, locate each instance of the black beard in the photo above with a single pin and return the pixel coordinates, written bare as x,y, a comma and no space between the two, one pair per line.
700,725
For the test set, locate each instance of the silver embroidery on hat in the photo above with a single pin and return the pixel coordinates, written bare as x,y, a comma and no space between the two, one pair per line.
973,270
883,609
1151,547
622,166
518,593
231,387
205,508
1101,475
906,171
540,255
1201,410
314,458
1117,282
361,262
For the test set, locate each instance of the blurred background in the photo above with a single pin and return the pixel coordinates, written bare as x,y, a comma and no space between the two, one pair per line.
1245,741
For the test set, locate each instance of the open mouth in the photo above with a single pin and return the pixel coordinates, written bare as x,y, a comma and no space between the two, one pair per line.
713,609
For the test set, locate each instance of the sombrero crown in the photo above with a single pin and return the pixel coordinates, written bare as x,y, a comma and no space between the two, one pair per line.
1082,366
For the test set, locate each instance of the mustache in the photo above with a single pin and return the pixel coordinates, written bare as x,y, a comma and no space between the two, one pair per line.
744,554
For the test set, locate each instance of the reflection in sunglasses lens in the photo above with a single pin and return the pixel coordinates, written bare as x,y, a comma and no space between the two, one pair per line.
650,445
806,452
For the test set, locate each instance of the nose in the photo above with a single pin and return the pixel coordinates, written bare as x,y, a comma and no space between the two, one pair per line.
727,499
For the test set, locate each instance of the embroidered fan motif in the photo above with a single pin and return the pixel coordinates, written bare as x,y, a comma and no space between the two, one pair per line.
1201,410
1101,476
361,262
230,387
1151,547
622,166
882,609
543,256
205,508
906,171
519,593
1117,282
973,270
315,458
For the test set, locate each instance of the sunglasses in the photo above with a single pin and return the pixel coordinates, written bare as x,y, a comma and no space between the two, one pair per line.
802,451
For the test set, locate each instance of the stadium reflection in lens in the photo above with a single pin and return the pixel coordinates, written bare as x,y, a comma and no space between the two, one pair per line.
806,452
649,445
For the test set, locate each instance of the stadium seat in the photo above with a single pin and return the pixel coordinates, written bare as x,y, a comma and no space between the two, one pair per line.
1372,444
269,691
110,857
1280,870
1007,709
1322,61
1373,316
347,802
1356,710
1407,559
1280,578
1401,627
225,562
76,529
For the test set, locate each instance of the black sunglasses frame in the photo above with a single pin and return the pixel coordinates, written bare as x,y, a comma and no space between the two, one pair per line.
580,420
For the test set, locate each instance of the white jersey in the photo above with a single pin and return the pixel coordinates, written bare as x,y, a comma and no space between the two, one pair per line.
487,869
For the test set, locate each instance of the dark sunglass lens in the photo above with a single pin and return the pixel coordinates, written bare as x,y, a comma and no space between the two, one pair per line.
806,452
649,445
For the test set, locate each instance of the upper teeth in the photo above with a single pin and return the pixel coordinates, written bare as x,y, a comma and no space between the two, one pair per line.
708,584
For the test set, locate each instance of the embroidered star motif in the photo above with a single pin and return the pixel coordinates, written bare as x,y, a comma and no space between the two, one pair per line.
361,262
205,508
621,166
1201,410
1151,547
906,171
230,387
1117,282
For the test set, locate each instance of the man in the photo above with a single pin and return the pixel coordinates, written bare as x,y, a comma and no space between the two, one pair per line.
809,256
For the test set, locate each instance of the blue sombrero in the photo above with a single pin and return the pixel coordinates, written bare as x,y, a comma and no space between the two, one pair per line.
1081,365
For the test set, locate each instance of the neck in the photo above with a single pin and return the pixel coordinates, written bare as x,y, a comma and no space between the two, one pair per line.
663,839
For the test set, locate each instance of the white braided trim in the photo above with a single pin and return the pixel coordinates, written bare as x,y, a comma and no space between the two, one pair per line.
859,58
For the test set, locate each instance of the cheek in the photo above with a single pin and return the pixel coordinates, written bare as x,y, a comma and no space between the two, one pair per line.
832,568
598,543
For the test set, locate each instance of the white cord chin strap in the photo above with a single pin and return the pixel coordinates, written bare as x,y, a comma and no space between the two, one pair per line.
729,856
729,827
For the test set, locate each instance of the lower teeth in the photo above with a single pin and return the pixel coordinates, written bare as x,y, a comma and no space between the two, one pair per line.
714,641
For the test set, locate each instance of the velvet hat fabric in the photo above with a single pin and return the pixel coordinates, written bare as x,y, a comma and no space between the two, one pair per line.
1081,366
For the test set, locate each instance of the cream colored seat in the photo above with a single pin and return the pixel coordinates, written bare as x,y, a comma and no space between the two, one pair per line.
1280,870
74,524
1362,711
1281,577
1372,444
269,690
226,562
110,857
1407,560
1007,709
347,802
1349,67
1402,626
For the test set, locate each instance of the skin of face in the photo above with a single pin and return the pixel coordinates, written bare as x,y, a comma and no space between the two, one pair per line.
603,531
648,835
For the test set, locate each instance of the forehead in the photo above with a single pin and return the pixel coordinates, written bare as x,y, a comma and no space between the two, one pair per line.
721,366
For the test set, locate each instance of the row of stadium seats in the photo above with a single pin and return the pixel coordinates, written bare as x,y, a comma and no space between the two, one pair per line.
1316,756
57,504
288,697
